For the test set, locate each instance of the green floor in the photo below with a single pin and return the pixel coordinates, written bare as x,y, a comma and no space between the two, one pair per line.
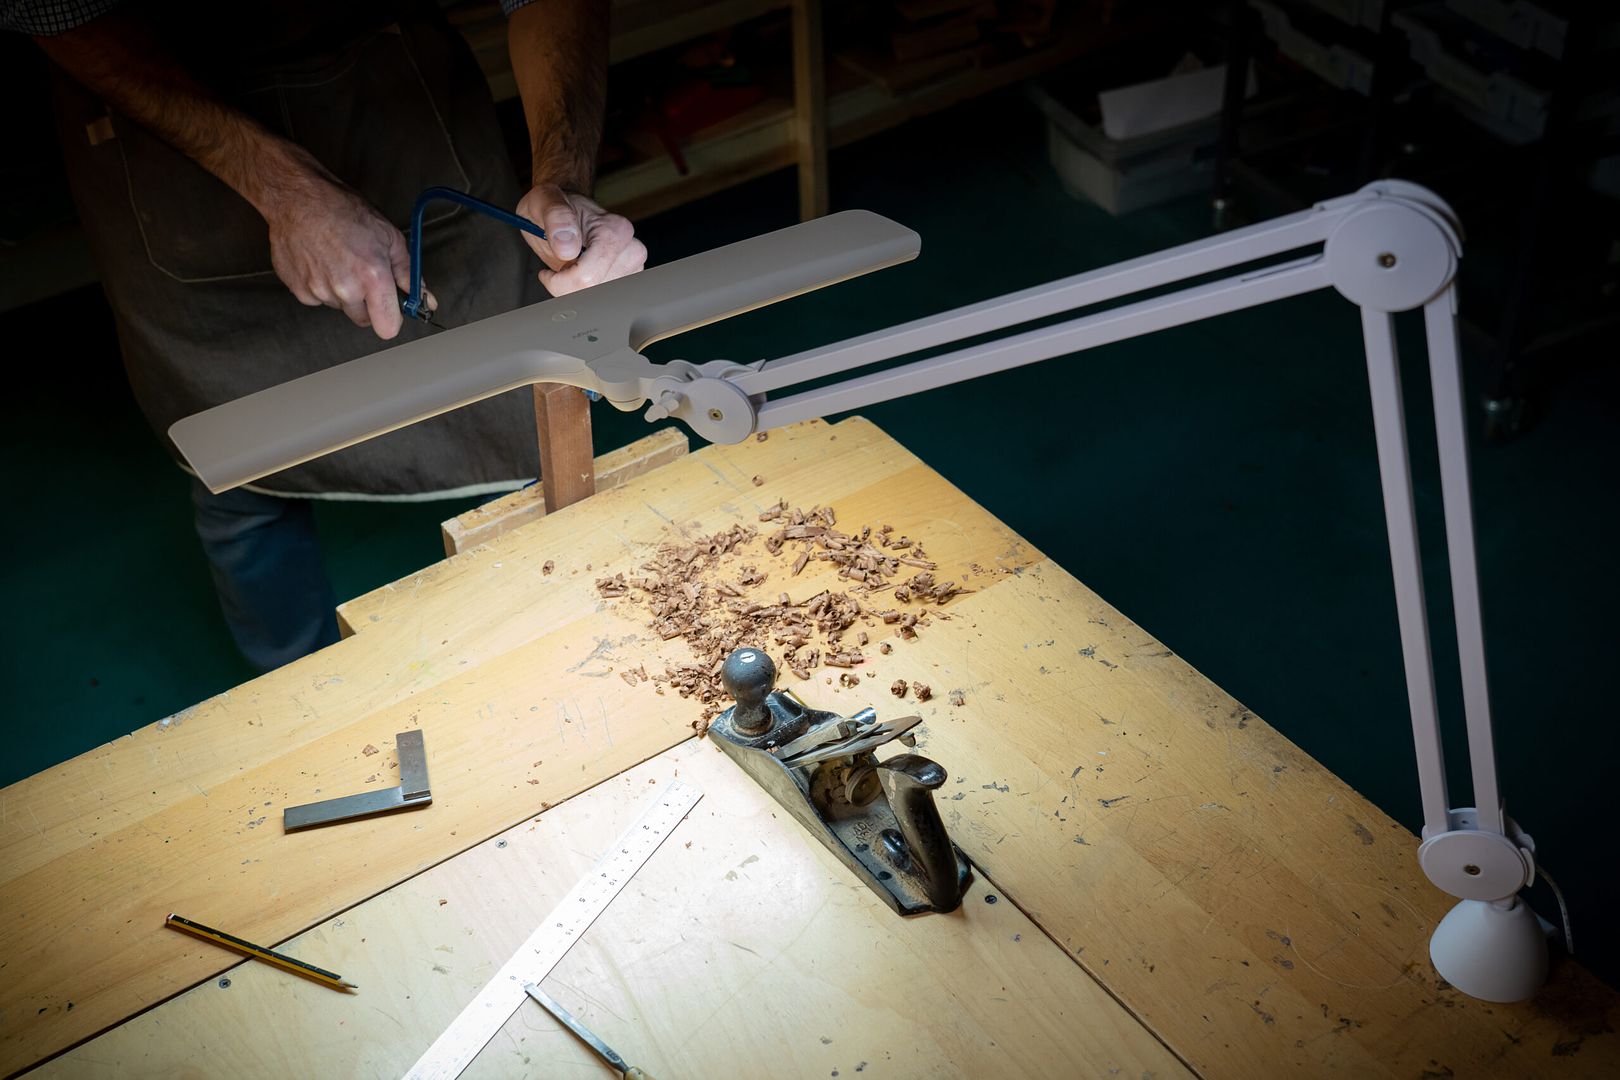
1216,483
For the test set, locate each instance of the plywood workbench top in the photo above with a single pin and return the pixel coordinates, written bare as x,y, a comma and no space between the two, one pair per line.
1189,891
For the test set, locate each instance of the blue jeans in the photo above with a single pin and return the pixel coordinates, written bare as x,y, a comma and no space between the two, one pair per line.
268,572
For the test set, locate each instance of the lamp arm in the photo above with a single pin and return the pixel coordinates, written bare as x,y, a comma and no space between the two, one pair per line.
1391,247
1218,254
1002,354
1445,378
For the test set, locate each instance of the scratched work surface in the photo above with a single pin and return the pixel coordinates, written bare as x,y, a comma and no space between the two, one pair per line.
1250,910
738,950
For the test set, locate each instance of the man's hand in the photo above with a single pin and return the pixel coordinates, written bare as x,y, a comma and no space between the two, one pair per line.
559,57
329,246
585,245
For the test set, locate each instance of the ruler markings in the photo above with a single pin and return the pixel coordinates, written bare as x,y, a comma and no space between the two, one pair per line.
455,1048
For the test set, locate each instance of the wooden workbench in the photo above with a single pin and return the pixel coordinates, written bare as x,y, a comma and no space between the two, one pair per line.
1178,888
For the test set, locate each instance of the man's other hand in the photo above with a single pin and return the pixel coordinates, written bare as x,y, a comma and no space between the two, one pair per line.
585,245
329,246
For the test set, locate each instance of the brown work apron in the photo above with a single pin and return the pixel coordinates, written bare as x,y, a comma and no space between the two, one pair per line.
185,261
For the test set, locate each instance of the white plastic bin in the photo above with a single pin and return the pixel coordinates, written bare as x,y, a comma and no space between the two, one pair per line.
1126,174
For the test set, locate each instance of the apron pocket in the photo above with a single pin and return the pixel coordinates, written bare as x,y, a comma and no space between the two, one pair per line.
352,117
194,227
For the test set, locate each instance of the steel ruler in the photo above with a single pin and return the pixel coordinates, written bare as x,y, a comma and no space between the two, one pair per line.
482,1018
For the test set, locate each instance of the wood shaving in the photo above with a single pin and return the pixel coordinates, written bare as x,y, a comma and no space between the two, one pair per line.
922,691
957,697
698,590
899,688
548,567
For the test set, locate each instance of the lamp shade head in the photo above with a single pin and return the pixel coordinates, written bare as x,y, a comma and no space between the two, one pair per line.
1494,950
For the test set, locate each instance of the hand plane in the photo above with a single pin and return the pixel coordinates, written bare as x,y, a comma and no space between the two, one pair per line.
878,817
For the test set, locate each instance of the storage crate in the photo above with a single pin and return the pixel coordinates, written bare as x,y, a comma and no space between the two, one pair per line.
1122,175
1493,84
1336,63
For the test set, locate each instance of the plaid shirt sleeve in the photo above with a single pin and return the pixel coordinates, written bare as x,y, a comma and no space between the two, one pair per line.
509,6
46,18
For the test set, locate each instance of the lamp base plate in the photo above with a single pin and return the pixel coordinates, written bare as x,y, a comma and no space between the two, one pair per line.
1494,950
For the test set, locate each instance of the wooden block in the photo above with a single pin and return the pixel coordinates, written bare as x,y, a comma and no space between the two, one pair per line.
833,981
562,420
613,469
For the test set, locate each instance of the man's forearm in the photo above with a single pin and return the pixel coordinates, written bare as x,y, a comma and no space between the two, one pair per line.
559,54
327,244
117,58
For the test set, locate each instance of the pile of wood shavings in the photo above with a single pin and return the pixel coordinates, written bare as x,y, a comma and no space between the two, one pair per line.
701,591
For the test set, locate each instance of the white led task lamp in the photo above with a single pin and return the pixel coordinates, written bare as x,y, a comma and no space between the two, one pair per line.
1390,247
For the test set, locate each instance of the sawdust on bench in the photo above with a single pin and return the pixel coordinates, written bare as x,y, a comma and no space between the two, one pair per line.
734,588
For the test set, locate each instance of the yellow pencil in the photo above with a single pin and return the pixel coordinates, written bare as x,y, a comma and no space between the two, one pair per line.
286,963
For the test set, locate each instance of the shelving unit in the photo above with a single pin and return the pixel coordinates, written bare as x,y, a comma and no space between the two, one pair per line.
828,105
646,26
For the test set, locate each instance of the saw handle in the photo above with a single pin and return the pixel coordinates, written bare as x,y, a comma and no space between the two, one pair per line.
413,305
